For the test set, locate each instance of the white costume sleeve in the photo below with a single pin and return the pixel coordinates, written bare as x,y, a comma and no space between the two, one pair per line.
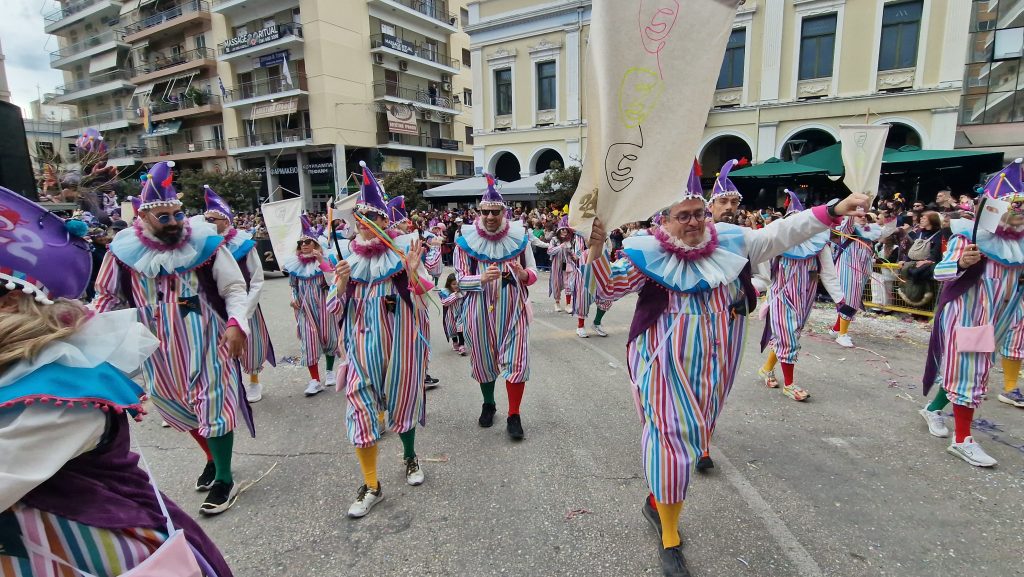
762,277
827,275
771,241
231,286
256,279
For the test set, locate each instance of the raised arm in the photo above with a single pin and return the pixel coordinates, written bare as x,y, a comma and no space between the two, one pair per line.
767,243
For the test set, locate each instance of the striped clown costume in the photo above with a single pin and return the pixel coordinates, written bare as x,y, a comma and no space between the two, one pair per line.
495,268
564,264
584,291
979,313
453,318
854,257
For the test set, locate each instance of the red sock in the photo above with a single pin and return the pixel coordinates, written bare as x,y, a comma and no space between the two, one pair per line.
835,327
515,396
962,417
314,372
568,299
651,501
580,322
787,373
202,444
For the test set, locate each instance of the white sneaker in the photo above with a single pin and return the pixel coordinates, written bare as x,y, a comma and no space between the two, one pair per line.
833,332
313,387
971,452
413,472
936,423
600,331
844,341
165,424
365,500
558,308
254,392
330,379
582,333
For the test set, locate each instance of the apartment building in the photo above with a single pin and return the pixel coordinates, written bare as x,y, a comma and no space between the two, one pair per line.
43,132
793,71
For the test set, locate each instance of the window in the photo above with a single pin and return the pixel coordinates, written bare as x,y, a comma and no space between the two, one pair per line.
546,87
503,91
467,58
469,135
386,28
994,76
464,168
1009,44
464,17
200,42
437,166
467,97
731,75
901,27
817,47
44,150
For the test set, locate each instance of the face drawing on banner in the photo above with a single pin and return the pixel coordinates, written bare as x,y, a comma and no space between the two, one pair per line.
656,19
639,95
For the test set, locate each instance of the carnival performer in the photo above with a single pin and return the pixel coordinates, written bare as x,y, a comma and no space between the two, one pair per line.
563,250
317,330
495,269
693,281
377,295
259,349
1012,351
979,306
65,401
452,300
854,257
794,276
189,291
434,239
582,285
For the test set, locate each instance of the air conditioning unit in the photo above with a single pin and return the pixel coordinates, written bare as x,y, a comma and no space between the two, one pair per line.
378,58
447,86
446,78
403,65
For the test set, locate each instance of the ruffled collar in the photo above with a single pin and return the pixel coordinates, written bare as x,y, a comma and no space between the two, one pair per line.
301,267
135,249
1004,250
491,236
238,242
869,232
808,248
721,266
368,248
370,268
684,251
512,243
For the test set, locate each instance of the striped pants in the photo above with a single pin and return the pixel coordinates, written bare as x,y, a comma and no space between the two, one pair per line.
497,331
259,349
790,299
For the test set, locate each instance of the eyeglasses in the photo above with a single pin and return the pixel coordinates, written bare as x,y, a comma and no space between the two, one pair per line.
166,218
369,215
213,219
684,217
492,212
307,241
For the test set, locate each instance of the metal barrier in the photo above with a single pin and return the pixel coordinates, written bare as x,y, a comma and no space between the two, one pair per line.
884,292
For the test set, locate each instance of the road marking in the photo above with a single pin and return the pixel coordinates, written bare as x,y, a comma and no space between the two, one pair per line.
796,553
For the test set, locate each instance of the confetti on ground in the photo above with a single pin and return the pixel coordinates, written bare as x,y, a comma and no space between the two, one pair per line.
740,559
577,513
292,360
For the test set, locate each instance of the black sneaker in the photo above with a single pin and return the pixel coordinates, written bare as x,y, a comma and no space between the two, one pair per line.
705,463
515,428
672,562
430,382
487,414
651,514
220,498
205,481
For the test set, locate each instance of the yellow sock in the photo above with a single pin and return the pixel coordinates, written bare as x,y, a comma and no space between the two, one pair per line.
769,363
669,515
368,463
844,325
380,419
254,378
1011,370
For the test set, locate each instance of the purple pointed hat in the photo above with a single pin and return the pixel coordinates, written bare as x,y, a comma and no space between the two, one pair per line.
793,204
370,193
723,186
91,143
308,231
396,210
216,204
694,189
136,201
1006,182
564,222
32,240
158,189
491,198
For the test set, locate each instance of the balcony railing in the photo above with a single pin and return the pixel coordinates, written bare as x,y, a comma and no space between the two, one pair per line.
420,140
143,22
68,10
125,151
413,48
103,118
276,137
197,101
184,148
161,62
93,81
267,87
421,95
432,8
262,36
109,36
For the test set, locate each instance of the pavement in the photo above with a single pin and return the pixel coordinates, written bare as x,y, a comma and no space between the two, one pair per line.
848,483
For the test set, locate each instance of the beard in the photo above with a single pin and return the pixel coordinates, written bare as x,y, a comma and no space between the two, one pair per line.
169,234
727,217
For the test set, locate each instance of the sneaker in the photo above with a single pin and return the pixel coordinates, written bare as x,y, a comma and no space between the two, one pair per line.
833,332
705,462
514,426
330,379
205,481
673,564
600,331
936,423
558,308
462,351
1014,398
651,514
487,414
413,473
365,500
430,382
794,392
165,424
313,387
844,341
220,498
254,392
971,452
582,333
455,347
768,378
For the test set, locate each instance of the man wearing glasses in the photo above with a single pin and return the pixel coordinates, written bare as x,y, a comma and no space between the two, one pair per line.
190,292
684,346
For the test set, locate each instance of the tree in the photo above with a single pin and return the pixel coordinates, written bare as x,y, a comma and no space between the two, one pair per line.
559,184
239,189
403,183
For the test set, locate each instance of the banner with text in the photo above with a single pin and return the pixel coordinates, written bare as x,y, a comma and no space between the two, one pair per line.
402,119
863,146
283,227
652,70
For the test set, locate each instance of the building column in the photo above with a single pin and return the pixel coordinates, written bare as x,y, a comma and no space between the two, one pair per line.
771,51
479,158
340,170
271,177
954,45
305,186
766,135
943,130
572,76
572,152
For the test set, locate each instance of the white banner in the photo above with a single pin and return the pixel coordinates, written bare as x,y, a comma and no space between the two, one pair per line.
282,221
863,146
127,212
652,70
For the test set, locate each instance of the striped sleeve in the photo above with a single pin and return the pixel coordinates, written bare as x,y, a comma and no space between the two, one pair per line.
448,299
432,257
948,268
615,280
467,282
847,225
335,301
107,298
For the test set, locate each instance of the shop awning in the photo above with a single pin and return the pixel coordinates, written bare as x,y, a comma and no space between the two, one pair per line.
912,156
470,187
164,129
143,89
775,168
103,61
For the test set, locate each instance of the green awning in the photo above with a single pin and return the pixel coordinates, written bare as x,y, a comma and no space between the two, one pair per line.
830,158
775,168
934,159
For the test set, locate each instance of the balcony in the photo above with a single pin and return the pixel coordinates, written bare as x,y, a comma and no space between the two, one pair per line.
88,48
418,143
72,13
184,151
167,21
124,155
264,41
431,12
110,120
418,97
93,85
175,64
413,52
262,90
235,9
197,105
278,139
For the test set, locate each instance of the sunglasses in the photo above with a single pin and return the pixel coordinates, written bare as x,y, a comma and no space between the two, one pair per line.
492,212
213,219
369,215
166,218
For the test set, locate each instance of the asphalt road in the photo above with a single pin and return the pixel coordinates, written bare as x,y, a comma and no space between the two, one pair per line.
848,483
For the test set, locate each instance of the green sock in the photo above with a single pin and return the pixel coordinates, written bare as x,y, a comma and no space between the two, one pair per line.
939,402
599,316
330,362
221,449
488,390
408,443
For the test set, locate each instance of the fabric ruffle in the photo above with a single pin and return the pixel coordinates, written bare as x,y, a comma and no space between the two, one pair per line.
484,250
380,267
808,248
869,232
201,245
1003,250
294,266
722,266
240,244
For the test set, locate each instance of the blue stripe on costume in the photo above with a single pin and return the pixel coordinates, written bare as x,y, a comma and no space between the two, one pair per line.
102,383
243,249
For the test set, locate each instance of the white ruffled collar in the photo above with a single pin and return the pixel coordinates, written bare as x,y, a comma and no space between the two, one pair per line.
808,248
487,250
870,232
722,266
294,266
132,251
380,267
1004,250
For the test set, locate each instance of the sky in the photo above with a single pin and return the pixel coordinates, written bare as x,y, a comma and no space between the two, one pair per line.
27,50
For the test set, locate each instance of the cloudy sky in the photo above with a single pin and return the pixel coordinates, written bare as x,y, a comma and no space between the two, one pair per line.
27,50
